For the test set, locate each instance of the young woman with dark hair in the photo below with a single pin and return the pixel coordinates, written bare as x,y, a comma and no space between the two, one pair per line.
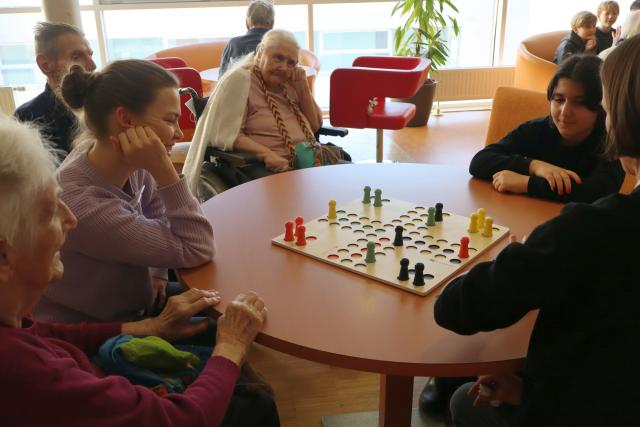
560,156
579,270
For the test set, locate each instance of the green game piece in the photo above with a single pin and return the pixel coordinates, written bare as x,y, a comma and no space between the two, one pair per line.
371,253
432,216
366,199
377,202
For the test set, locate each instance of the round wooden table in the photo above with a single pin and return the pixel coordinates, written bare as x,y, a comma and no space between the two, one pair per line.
329,315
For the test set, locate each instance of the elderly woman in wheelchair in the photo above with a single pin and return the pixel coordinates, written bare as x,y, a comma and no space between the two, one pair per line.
264,113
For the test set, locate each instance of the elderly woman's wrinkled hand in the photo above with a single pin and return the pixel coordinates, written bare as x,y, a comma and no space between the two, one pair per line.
238,327
275,163
299,80
173,323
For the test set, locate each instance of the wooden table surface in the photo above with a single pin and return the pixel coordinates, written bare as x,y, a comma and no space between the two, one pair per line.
329,315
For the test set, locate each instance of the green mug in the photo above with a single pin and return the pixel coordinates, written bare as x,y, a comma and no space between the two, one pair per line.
305,155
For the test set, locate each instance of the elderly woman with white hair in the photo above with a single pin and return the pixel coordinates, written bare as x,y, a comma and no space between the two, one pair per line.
48,377
262,106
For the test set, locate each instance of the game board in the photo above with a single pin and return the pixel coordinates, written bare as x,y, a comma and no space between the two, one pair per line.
342,241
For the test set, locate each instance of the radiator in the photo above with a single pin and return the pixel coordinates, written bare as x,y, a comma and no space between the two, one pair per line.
462,84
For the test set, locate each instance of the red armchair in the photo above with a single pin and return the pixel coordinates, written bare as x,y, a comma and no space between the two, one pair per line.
358,94
188,77
169,62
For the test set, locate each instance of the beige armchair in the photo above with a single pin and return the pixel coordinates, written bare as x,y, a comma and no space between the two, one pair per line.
534,68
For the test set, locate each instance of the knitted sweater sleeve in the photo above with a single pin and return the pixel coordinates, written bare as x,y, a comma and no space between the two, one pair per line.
506,154
88,337
42,387
605,179
110,228
523,277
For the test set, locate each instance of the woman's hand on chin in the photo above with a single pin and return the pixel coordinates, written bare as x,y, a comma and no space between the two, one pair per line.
299,81
141,148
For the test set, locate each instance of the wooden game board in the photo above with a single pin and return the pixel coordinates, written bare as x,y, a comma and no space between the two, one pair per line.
343,242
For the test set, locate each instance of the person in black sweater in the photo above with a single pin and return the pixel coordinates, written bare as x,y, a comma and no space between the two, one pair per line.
582,38
580,271
606,35
558,157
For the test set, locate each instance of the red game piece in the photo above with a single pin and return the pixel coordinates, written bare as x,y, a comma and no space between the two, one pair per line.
464,248
301,239
299,222
289,235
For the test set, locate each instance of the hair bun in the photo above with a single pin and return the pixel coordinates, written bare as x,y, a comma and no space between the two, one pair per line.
76,85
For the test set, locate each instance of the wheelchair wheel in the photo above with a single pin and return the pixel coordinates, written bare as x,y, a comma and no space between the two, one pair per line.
209,185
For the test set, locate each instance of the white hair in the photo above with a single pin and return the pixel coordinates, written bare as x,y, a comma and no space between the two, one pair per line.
260,13
27,167
270,39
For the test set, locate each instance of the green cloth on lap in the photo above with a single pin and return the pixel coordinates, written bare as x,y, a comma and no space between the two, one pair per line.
154,353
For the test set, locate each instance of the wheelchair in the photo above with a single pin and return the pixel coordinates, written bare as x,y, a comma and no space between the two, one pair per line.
222,170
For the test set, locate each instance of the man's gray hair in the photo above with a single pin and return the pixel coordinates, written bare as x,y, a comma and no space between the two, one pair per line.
46,37
27,167
260,14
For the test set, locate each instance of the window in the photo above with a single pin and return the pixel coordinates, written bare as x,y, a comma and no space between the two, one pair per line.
529,17
139,33
17,55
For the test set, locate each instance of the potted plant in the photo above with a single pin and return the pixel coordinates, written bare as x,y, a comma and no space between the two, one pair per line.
422,34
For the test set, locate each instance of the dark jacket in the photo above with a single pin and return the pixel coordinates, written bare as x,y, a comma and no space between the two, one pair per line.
581,271
604,40
570,45
539,139
240,46
57,123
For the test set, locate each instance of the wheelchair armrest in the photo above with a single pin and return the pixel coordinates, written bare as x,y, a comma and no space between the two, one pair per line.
233,158
333,131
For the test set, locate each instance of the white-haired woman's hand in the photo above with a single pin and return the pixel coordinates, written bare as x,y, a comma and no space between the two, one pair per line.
238,327
173,323
299,81
274,162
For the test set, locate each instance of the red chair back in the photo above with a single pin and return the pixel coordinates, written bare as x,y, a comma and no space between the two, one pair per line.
352,91
169,62
188,77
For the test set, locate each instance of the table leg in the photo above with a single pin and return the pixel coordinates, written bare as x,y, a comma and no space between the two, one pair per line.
396,395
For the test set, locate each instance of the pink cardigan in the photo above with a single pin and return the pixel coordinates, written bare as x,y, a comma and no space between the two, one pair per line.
120,235
48,380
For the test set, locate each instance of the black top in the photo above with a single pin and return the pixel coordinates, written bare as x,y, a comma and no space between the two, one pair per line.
580,270
240,46
539,139
604,40
57,123
570,45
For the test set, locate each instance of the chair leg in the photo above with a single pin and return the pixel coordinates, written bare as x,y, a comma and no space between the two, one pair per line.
379,134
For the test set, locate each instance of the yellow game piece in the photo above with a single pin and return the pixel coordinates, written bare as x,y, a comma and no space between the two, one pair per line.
488,227
332,209
481,215
473,223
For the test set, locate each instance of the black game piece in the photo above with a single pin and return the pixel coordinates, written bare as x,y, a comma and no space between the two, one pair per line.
398,241
438,212
404,269
418,279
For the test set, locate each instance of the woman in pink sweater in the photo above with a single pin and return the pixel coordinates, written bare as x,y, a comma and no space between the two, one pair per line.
47,376
136,216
